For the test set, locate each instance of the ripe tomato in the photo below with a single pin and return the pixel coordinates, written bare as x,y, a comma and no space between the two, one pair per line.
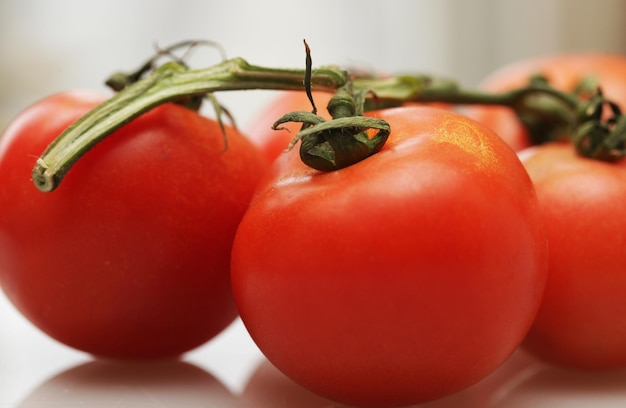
129,257
564,72
274,142
581,319
402,278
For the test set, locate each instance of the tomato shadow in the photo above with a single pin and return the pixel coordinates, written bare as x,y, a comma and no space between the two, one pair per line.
137,385
268,387
557,387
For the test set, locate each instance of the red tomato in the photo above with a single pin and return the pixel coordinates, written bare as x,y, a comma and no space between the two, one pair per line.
402,278
129,257
274,142
581,319
563,71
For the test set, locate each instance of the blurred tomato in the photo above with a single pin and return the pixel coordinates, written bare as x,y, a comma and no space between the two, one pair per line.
581,321
564,72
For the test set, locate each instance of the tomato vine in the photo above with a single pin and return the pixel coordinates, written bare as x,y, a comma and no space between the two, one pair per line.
542,108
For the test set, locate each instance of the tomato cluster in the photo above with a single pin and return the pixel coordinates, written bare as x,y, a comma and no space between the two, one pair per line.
405,277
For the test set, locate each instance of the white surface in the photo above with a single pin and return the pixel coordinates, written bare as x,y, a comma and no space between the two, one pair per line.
35,371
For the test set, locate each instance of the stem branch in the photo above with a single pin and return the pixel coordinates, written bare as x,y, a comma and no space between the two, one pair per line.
168,83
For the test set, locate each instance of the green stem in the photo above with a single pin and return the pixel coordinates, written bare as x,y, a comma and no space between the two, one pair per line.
429,89
168,83
173,81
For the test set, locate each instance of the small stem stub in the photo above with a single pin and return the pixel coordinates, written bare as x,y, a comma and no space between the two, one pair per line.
42,178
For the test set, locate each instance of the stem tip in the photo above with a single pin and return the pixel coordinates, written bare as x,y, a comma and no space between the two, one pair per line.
42,178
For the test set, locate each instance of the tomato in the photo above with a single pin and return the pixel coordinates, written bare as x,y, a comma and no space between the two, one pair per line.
402,278
563,71
580,323
274,142
129,257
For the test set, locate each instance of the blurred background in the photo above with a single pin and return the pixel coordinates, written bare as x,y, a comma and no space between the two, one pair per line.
49,46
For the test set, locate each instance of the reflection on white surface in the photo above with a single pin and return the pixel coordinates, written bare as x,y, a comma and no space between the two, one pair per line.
269,388
35,371
522,382
554,387
106,384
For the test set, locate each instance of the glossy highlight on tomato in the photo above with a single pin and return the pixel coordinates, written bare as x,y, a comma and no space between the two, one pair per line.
403,278
129,257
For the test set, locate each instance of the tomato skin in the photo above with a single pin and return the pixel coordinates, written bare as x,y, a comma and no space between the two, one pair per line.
580,323
129,257
403,278
563,71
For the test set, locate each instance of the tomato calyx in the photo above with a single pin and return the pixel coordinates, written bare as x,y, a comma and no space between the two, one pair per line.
547,114
598,137
342,141
593,123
